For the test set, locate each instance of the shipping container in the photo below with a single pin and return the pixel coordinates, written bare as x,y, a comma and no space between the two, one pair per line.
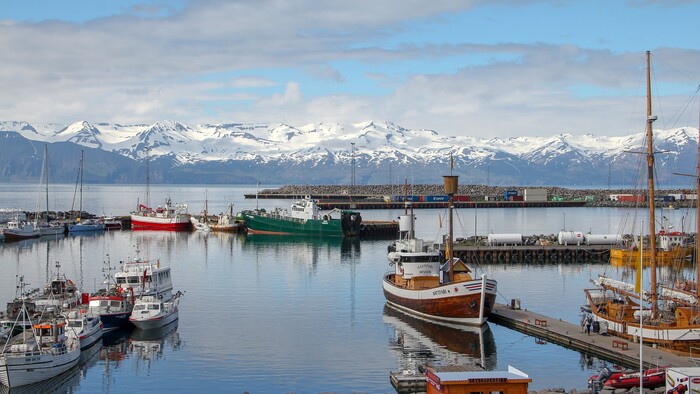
461,197
516,198
436,198
631,198
405,198
509,193
535,195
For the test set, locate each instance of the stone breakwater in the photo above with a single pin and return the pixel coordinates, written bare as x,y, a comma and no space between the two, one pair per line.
593,197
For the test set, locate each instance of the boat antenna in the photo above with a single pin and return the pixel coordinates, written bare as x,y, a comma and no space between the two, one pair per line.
450,184
650,182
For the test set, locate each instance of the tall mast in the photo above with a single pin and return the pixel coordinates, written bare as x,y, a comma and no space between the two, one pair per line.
697,216
46,179
80,211
650,185
148,180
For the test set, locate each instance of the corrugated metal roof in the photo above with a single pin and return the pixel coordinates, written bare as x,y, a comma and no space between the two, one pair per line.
463,376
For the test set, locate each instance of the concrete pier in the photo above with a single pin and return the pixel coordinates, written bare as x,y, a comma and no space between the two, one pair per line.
607,347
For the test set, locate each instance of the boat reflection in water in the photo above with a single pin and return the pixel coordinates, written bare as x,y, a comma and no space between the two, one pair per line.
301,245
148,344
419,341
65,382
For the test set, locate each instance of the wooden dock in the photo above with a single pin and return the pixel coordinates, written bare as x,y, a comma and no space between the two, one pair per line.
607,347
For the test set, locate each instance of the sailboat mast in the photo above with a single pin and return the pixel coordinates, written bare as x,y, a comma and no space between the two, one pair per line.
650,181
697,216
148,180
46,179
80,211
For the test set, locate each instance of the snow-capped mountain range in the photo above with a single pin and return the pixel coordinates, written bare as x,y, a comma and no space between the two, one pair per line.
323,153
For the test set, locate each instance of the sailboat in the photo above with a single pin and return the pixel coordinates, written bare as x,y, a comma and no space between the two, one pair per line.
675,321
88,224
48,227
422,284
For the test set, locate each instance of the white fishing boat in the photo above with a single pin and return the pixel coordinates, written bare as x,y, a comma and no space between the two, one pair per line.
37,354
152,312
59,294
87,329
17,230
144,277
227,221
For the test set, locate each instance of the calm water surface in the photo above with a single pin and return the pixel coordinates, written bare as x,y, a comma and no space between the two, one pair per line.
276,314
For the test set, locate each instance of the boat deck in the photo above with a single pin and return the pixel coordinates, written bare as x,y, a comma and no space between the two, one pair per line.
608,347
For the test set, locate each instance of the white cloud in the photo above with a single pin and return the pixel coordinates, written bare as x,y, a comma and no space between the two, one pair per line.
220,61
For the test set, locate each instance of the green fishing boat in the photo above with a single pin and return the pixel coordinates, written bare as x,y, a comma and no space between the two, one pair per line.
304,218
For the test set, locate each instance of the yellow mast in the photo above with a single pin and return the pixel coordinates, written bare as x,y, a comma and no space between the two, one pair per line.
650,182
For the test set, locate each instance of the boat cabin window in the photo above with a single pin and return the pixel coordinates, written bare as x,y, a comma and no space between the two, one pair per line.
134,279
420,259
121,280
75,323
153,307
115,304
139,307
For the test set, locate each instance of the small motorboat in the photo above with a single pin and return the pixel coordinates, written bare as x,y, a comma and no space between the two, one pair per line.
86,329
153,312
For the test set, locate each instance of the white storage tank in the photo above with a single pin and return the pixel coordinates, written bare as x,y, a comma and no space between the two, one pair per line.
602,239
570,238
504,239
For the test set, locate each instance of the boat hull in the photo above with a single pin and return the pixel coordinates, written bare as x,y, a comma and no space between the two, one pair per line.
155,322
280,225
79,228
453,303
16,370
662,256
114,321
157,223
677,337
20,235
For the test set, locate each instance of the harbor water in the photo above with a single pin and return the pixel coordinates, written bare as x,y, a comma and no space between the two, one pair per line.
284,314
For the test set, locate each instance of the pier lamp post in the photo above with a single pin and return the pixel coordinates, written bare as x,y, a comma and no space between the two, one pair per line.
450,185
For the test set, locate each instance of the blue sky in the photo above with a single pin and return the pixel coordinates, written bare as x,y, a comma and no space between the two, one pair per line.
482,68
